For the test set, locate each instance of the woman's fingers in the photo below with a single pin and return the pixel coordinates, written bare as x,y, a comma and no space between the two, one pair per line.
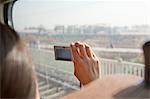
88,51
94,58
74,52
82,50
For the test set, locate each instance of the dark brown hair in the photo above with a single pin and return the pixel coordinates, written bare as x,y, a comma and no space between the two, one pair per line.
17,77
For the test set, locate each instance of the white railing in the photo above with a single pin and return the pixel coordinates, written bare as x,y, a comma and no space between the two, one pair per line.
111,67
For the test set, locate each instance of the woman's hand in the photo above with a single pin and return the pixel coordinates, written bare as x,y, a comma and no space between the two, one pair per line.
86,63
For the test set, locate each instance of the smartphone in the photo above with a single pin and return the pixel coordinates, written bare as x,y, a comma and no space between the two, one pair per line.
62,53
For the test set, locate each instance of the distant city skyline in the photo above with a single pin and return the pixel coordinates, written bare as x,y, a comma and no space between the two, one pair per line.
81,12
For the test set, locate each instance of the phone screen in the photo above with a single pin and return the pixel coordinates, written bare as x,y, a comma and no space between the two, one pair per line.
62,53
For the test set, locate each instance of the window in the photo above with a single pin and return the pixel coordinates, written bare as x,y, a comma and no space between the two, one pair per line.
115,29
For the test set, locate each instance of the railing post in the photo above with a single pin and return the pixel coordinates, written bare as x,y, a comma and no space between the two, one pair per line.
146,48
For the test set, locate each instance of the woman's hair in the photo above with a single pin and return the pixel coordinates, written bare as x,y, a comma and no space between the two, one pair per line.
17,76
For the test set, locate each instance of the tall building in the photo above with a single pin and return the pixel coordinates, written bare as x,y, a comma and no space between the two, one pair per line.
60,29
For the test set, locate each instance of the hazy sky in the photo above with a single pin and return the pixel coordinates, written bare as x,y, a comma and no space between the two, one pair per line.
52,12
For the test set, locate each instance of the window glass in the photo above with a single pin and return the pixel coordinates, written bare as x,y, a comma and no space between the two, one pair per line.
116,30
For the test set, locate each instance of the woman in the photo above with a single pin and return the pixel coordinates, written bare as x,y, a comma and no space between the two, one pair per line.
17,74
